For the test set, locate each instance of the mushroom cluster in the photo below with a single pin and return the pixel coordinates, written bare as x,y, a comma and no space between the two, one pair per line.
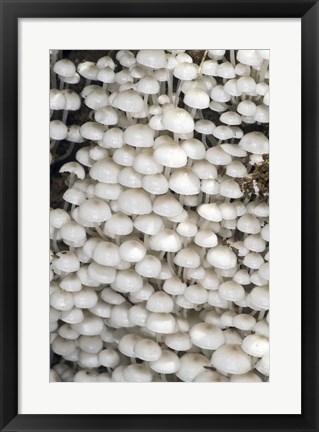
159,263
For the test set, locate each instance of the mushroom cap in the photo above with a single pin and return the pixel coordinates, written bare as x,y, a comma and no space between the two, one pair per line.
155,184
233,150
73,232
196,98
246,84
161,323
187,228
194,148
61,300
170,154
255,345
92,131
179,341
57,99
105,171
119,224
128,281
223,133
231,291
109,358
66,261
263,364
90,344
132,251
129,178
58,217
260,297
152,58
149,267
106,116
210,376
147,349
139,135
253,260
196,294
222,257
210,212
64,67
236,169
88,70
248,57
217,156
225,70
129,101
127,344
167,206
248,224
150,224
160,302
244,322
112,297
168,363
206,239
135,202
186,71
219,94
174,286
183,181
229,188
58,130
145,163
207,336
148,85
255,142
107,254
246,108
166,240
119,316
94,210
112,138
90,325
230,118
137,315
231,359
188,258
178,120
137,373
191,365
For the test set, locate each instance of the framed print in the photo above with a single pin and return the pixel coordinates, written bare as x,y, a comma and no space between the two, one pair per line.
158,215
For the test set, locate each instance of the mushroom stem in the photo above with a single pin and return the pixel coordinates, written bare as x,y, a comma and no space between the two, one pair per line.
146,240
66,154
167,172
162,255
178,91
99,231
232,58
163,377
261,315
170,85
201,63
263,70
65,116
54,241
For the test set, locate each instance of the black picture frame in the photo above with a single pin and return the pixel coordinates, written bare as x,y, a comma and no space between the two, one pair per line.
11,11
